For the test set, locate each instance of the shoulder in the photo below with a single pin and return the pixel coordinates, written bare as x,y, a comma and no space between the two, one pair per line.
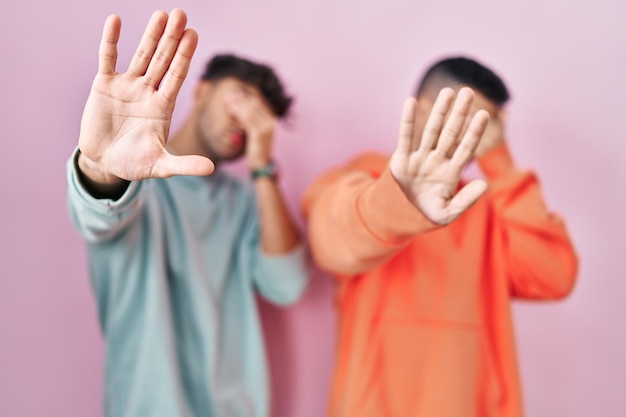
364,165
372,162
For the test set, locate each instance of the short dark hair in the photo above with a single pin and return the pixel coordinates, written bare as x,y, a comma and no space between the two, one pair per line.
260,75
467,71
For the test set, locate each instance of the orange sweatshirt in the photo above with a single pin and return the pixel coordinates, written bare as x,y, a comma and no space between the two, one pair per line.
425,326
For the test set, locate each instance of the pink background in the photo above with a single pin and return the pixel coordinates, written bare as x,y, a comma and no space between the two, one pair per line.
350,63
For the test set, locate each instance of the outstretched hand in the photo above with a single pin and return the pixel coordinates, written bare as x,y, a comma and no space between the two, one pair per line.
127,117
429,168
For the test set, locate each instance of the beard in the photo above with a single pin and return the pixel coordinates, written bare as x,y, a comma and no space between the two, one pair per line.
216,145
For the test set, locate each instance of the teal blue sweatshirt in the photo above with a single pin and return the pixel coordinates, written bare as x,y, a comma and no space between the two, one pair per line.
175,265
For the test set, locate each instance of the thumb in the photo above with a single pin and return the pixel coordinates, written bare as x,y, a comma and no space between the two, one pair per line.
465,198
170,165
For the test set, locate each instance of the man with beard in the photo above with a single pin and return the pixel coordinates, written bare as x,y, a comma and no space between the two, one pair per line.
178,249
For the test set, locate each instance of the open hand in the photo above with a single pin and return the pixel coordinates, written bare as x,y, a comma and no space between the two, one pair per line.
127,117
429,168
259,123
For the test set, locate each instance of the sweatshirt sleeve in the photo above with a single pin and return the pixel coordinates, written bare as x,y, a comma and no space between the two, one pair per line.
100,219
358,217
540,260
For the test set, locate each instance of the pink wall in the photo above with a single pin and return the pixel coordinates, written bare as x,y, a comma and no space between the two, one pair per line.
351,63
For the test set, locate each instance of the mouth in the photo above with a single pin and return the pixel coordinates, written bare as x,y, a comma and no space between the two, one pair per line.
237,137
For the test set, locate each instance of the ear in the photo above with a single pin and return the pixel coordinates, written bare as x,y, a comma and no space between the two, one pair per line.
203,89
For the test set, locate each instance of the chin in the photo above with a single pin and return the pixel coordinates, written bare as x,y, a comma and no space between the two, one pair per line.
224,154
230,156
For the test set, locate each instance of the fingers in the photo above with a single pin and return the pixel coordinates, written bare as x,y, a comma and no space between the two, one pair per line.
465,151
148,44
434,124
238,106
170,165
107,54
250,111
407,127
465,198
454,125
166,48
179,68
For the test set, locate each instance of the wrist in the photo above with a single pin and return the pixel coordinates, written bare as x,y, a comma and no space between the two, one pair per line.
258,149
256,157
269,170
92,171
259,163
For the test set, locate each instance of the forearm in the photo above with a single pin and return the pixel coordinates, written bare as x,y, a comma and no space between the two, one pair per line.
278,231
540,258
98,183
100,219
357,221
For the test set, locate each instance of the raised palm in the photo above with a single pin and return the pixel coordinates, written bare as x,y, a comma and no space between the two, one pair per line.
127,116
428,165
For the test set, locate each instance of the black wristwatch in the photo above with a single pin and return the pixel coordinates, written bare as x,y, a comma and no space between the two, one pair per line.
270,170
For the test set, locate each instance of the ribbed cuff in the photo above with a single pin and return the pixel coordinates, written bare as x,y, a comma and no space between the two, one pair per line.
100,204
387,212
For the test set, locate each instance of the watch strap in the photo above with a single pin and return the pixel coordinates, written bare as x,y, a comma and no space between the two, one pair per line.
270,170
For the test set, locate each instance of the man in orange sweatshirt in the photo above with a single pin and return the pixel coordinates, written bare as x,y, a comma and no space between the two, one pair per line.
426,264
